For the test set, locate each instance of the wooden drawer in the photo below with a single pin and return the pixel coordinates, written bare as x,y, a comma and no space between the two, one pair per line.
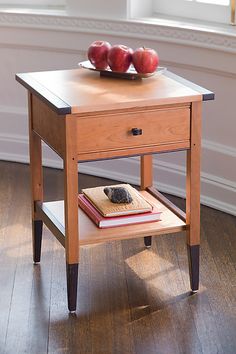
114,132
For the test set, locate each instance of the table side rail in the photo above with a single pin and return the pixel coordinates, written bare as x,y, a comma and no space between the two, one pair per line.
136,151
104,239
51,222
177,211
54,219
46,124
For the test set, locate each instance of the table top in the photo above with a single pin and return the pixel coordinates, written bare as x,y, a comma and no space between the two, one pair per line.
83,91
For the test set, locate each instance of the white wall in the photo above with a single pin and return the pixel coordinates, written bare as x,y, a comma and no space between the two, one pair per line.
98,9
34,43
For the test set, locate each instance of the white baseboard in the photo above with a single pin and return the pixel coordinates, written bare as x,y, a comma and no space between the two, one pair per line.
217,191
221,148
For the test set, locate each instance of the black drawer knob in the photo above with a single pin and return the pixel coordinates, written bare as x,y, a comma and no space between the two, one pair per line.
137,131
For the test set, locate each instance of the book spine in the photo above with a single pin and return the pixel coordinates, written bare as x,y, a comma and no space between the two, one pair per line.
126,223
89,212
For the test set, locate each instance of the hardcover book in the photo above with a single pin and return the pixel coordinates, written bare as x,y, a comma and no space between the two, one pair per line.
100,201
103,222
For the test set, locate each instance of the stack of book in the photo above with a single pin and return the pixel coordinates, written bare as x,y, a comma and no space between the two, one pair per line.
104,213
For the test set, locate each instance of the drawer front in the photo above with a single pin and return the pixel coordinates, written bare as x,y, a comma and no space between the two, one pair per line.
114,132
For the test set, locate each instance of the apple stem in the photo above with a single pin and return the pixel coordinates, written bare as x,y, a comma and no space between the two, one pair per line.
144,47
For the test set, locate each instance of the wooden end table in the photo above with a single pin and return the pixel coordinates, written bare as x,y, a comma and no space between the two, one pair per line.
85,117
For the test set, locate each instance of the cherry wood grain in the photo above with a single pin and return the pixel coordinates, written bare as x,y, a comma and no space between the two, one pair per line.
137,151
70,219
193,177
146,180
46,124
35,145
207,95
114,131
89,233
53,101
86,91
146,171
193,195
71,193
159,196
102,114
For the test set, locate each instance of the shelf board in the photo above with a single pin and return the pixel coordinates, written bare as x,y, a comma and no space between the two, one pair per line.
52,213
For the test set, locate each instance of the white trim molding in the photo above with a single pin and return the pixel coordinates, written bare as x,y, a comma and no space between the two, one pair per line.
19,111
221,38
221,148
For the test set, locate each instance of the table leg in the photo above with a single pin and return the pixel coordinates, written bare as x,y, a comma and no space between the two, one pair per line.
193,196
36,173
71,218
146,181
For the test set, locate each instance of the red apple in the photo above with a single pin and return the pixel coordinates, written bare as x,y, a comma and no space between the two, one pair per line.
97,54
119,58
145,60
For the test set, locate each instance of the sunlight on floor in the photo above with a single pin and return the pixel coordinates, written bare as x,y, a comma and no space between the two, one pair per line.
156,271
141,263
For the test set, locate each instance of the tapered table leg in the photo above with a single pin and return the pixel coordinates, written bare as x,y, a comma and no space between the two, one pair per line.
148,241
36,174
193,261
193,196
72,284
37,239
71,212
146,181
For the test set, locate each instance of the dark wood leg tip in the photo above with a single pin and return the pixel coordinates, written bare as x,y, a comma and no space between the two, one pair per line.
148,241
37,240
72,283
193,260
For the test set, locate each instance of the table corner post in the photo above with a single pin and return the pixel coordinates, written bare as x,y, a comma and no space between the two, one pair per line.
71,210
36,176
146,176
193,195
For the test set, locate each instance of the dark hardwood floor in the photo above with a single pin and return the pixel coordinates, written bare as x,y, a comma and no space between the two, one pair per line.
130,299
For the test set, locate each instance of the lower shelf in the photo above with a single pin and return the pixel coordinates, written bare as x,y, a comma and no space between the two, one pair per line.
52,214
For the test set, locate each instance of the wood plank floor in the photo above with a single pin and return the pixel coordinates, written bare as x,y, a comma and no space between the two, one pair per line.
130,300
